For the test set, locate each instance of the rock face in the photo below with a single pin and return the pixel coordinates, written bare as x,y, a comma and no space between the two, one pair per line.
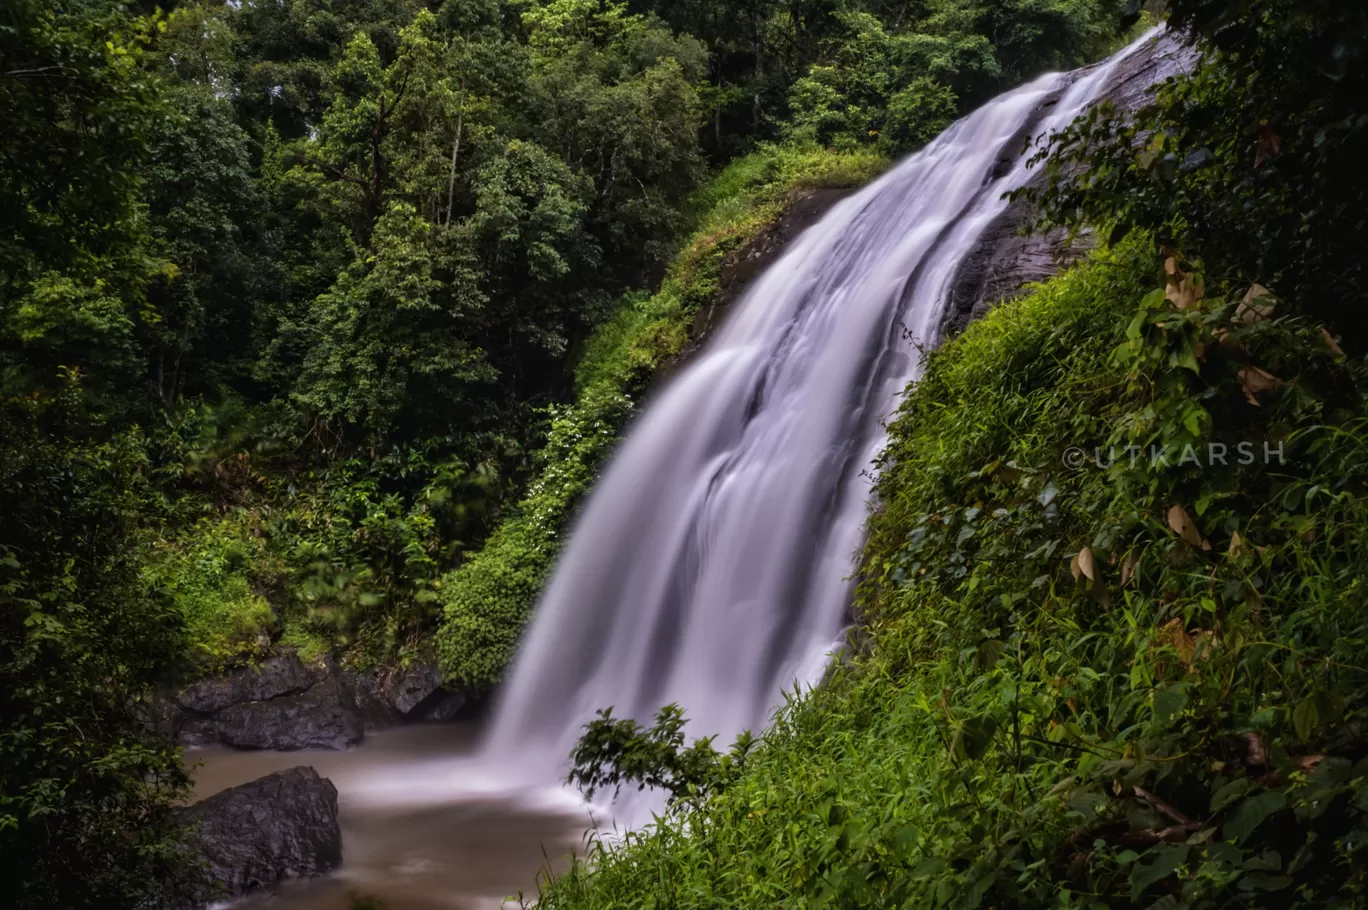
1005,263
412,686
253,836
747,264
416,693
280,675
324,717
376,711
282,704
440,707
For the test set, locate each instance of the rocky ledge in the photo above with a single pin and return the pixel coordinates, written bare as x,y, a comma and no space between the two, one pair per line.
256,835
283,704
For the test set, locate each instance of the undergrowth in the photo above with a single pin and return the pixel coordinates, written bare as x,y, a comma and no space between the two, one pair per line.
211,577
488,599
1105,669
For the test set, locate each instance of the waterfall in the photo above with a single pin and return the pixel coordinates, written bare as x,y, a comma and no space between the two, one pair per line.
711,565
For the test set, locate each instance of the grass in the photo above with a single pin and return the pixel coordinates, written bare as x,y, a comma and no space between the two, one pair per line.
1136,685
211,571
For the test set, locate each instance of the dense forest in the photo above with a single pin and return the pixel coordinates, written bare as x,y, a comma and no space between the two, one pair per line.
318,318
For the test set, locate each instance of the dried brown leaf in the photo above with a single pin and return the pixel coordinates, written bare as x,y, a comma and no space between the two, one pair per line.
1181,523
1330,343
1128,568
1237,546
1258,304
1084,560
1183,293
1270,145
1254,381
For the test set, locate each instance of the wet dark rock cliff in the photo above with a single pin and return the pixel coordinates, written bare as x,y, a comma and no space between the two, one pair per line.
283,704
1005,263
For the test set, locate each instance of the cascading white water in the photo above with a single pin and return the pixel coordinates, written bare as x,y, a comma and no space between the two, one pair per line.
711,565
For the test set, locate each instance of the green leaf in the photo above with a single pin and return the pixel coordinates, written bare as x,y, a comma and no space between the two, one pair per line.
1169,702
1119,232
989,653
1229,793
1250,813
1306,718
1164,861
932,865
973,737
1263,881
1088,802
1268,861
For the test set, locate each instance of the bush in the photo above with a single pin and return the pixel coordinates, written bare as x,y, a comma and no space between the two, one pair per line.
343,555
210,579
1253,157
85,797
613,752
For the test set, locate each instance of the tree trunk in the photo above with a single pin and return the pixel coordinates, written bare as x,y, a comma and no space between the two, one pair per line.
455,153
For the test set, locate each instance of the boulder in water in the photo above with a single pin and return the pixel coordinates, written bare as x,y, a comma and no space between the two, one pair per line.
376,711
440,707
253,836
412,686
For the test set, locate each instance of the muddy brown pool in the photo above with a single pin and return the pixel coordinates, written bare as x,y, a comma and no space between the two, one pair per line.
419,831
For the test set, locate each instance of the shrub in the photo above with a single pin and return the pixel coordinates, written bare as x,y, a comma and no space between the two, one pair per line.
210,581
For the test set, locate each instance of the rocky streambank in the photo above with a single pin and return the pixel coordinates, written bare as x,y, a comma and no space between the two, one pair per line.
282,703
284,825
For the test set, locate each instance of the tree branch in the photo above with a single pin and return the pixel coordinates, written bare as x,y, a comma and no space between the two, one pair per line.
36,71
335,173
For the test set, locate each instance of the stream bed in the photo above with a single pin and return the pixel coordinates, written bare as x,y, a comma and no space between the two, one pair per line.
424,825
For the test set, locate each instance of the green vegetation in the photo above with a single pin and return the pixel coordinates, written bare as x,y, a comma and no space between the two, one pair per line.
1113,600
1100,687
210,585
82,640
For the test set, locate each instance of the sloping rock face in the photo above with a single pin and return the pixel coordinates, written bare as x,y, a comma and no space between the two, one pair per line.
1005,263
253,836
282,704
280,675
416,693
324,717
745,265
412,686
